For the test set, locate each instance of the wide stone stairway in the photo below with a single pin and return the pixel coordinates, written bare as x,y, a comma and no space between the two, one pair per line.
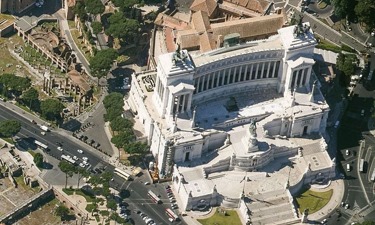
272,207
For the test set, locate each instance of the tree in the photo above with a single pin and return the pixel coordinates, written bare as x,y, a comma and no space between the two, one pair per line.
68,169
102,62
81,172
38,160
9,128
344,8
96,27
79,10
113,113
14,83
30,96
120,27
122,139
136,148
51,108
62,211
111,204
346,63
120,124
365,10
113,99
94,7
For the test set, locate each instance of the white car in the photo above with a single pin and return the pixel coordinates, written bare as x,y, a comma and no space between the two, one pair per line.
80,151
75,157
82,165
85,159
85,163
60,149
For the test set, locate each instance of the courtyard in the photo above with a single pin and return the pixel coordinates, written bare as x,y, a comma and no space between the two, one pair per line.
10,196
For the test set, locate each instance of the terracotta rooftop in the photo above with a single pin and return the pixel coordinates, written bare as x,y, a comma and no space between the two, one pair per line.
247,28
207,6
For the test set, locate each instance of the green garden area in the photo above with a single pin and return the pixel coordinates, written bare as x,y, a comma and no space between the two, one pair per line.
226,217
313,201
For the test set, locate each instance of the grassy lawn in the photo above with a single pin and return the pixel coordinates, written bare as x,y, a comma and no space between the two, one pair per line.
8,140
313,201
79,44
231,218
31,152
89,197
322,5
89,207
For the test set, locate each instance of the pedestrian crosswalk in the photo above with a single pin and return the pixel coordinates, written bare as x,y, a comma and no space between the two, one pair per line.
356,207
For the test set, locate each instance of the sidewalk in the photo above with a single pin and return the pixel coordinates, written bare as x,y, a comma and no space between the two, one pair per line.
338,194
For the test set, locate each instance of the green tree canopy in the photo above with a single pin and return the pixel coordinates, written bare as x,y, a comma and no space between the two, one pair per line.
79,10
81,172
111,204
365,10
68,169
38,160
102,62
29,96
344,8
123,138
113,113
122,28
62,211
14,83
9,128
347,63
136,148
51,108
120,124
94,7
125,4
96,27
113,99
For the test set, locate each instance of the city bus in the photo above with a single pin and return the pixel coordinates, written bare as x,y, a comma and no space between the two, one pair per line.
361,165
41,145
122,174
171,214
68,158
373,175
154,197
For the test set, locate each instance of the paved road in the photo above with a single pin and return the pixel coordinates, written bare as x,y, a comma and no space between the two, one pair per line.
138,191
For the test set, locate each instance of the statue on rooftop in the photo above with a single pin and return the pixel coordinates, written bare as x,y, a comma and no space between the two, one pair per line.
253,127
300,29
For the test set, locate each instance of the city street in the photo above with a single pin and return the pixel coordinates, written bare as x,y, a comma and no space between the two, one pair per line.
53,176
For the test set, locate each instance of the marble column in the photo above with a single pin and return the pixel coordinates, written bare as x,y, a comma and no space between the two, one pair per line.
208,81
268,70
229,75
223,79
274,69
262,72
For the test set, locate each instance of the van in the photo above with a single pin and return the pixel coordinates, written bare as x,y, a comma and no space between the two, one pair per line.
337,124
347,167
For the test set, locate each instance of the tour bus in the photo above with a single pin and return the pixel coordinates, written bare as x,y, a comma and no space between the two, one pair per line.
154,197
373,175
122,174
171,214
361,165
68,158
41,145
